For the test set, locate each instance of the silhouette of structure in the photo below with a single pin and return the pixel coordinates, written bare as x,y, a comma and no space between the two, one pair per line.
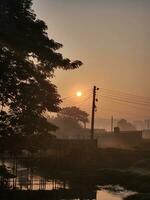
93,111
119,139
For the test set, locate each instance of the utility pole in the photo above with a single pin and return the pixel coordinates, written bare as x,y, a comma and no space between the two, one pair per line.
112,124
93,111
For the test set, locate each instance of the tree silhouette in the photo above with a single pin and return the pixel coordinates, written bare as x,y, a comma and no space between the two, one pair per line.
124,125
75,114
28,59
71,122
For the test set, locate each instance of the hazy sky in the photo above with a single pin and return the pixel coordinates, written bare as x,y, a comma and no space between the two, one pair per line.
112,39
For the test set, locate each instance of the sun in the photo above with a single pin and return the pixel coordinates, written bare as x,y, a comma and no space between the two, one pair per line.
78,93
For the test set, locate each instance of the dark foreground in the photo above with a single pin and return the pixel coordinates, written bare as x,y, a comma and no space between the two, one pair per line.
129,169
44,195
83,185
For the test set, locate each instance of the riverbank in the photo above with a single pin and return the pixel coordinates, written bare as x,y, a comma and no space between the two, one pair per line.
127,168
85,183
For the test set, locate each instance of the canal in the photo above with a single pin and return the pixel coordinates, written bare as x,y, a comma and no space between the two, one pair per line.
64,189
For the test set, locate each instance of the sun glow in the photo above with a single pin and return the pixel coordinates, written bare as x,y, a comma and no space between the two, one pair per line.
78,93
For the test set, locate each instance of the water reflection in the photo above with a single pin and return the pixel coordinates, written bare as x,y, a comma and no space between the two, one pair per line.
107,195
62,189
112,193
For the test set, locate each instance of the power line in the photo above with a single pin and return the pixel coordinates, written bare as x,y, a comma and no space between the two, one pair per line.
147,99
126,101
120,112
127,98
134,101
127,104
86,98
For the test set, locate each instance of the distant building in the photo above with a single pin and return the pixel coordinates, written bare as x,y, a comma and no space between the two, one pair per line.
139,124
97,132
72,135
119,139
146,139
147,124
146,134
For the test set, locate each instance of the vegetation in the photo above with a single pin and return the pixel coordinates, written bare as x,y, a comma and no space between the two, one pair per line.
71,122
28,59
75,114
124,125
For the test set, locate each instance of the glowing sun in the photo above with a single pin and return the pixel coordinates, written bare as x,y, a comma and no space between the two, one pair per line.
78,93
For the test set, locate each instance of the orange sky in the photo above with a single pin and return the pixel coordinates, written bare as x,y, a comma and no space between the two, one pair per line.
111,38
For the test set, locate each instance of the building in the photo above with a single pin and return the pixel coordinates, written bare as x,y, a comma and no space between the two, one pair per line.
119,139
146,134
139,125
147,124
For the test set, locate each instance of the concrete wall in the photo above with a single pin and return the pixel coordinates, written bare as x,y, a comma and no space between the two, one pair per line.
122,140
72,135
146,134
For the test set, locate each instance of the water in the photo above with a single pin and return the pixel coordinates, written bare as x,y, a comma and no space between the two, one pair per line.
107,195
26,181
101,193
112,193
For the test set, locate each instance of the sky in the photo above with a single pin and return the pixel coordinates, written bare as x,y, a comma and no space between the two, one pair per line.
111,38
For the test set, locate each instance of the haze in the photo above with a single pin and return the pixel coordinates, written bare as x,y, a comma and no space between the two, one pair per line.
111,38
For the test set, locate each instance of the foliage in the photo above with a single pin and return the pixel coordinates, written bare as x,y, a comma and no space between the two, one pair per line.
28,59
66,125
126,126
70,120
75,114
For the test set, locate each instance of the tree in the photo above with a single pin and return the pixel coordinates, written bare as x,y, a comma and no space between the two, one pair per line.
125,126
67,128
75,113
70,121
28,59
